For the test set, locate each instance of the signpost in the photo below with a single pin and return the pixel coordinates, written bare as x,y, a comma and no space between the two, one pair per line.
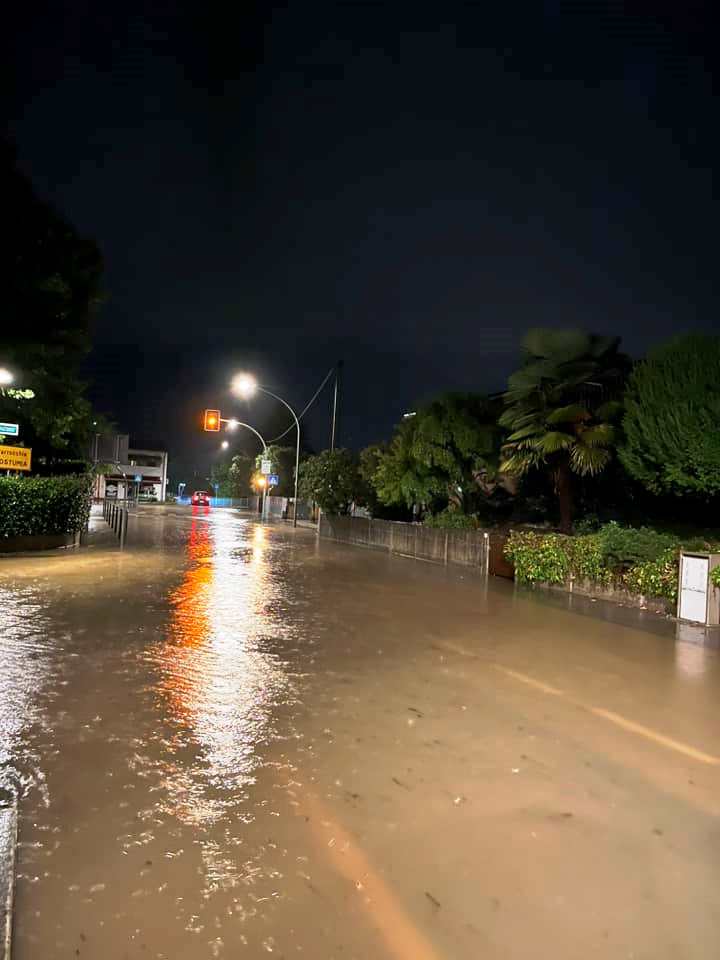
15,458
266,467
9,430
273,480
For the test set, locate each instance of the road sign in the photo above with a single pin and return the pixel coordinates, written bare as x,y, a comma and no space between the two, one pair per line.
266,467
138,478
15,458
273,480
9,430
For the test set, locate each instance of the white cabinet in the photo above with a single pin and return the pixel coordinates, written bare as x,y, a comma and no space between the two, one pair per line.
698,599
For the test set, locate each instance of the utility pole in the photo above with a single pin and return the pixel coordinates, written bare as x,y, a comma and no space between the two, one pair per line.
336,391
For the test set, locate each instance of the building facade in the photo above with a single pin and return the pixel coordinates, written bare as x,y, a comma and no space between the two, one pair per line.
143,477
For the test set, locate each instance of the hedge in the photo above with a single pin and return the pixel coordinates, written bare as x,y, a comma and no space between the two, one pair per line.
641,560
43,505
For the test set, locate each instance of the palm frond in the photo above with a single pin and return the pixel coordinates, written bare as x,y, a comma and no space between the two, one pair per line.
554,441
588,460
571,413
528,431
600,435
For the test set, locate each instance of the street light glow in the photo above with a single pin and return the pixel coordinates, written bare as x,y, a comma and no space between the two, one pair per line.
224,444
244,385
6,377
233,424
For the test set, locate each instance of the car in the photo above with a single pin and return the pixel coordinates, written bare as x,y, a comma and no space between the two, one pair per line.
201,498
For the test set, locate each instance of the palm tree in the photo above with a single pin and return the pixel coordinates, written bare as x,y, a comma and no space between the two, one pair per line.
560,407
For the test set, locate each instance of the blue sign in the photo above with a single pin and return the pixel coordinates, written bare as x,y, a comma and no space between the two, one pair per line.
138,478
9,429
273,480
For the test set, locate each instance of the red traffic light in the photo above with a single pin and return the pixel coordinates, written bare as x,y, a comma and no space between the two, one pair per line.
212,420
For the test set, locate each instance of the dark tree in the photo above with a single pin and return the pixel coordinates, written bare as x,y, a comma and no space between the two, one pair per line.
672,419
561,407
51,287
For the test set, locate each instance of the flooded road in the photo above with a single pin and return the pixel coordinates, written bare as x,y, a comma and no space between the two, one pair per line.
234,741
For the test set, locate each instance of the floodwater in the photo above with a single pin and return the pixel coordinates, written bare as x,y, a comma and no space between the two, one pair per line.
233,741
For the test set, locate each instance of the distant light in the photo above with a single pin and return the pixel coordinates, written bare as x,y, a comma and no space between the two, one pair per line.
261,481
6,377
412,413
233,424
244,385
224,445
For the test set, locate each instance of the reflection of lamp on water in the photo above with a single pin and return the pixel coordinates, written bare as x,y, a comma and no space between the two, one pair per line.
217,677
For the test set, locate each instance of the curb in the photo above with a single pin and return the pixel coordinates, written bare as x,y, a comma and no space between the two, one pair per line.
8,845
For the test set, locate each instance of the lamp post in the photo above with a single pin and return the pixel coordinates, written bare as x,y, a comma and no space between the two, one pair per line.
233,424
245,385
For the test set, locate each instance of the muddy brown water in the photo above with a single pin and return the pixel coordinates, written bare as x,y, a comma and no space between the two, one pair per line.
234,741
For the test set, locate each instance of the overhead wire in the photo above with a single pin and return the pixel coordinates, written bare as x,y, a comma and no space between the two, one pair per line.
307,406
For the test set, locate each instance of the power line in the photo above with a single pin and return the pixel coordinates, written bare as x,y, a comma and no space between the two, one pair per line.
307,406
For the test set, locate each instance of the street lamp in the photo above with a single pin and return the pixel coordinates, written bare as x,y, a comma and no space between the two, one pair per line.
224,445
6,377
245,385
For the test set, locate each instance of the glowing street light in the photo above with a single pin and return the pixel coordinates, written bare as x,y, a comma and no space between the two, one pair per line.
245,385
233,424
224,445
6,377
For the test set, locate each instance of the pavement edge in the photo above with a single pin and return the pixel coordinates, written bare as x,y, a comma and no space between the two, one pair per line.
8,847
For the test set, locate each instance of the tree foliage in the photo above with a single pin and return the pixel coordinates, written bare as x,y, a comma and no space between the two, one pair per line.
51,288
447,452
332,480
283,464
672,418
561,407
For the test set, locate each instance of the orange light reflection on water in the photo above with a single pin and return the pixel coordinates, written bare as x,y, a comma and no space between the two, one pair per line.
219,675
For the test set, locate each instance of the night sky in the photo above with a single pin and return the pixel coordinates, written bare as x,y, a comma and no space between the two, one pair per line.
286,185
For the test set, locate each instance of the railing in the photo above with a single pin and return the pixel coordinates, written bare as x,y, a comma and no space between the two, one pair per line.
117,517
470,548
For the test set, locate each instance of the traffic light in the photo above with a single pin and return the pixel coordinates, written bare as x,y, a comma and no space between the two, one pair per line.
212,420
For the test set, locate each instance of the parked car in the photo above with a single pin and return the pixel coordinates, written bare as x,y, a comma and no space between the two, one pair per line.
201,498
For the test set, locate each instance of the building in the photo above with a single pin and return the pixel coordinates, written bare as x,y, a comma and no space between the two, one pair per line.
133,474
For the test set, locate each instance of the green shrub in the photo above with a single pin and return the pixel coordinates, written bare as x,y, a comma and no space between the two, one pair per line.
624,547
644,561
449,519
43,505
539,557
715,577
655,578
588,559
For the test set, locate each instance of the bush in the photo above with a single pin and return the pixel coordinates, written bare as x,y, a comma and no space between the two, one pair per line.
449,519
539,557
643,561
715,577
43,505
623,547
588,559
655,578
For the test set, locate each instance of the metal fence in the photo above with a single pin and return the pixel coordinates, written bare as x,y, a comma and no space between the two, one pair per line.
471,548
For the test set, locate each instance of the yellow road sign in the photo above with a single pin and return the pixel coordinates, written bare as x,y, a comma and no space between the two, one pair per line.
15,458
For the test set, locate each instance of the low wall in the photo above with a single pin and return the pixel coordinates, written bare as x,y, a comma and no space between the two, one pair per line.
465,547
615,594
40,541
